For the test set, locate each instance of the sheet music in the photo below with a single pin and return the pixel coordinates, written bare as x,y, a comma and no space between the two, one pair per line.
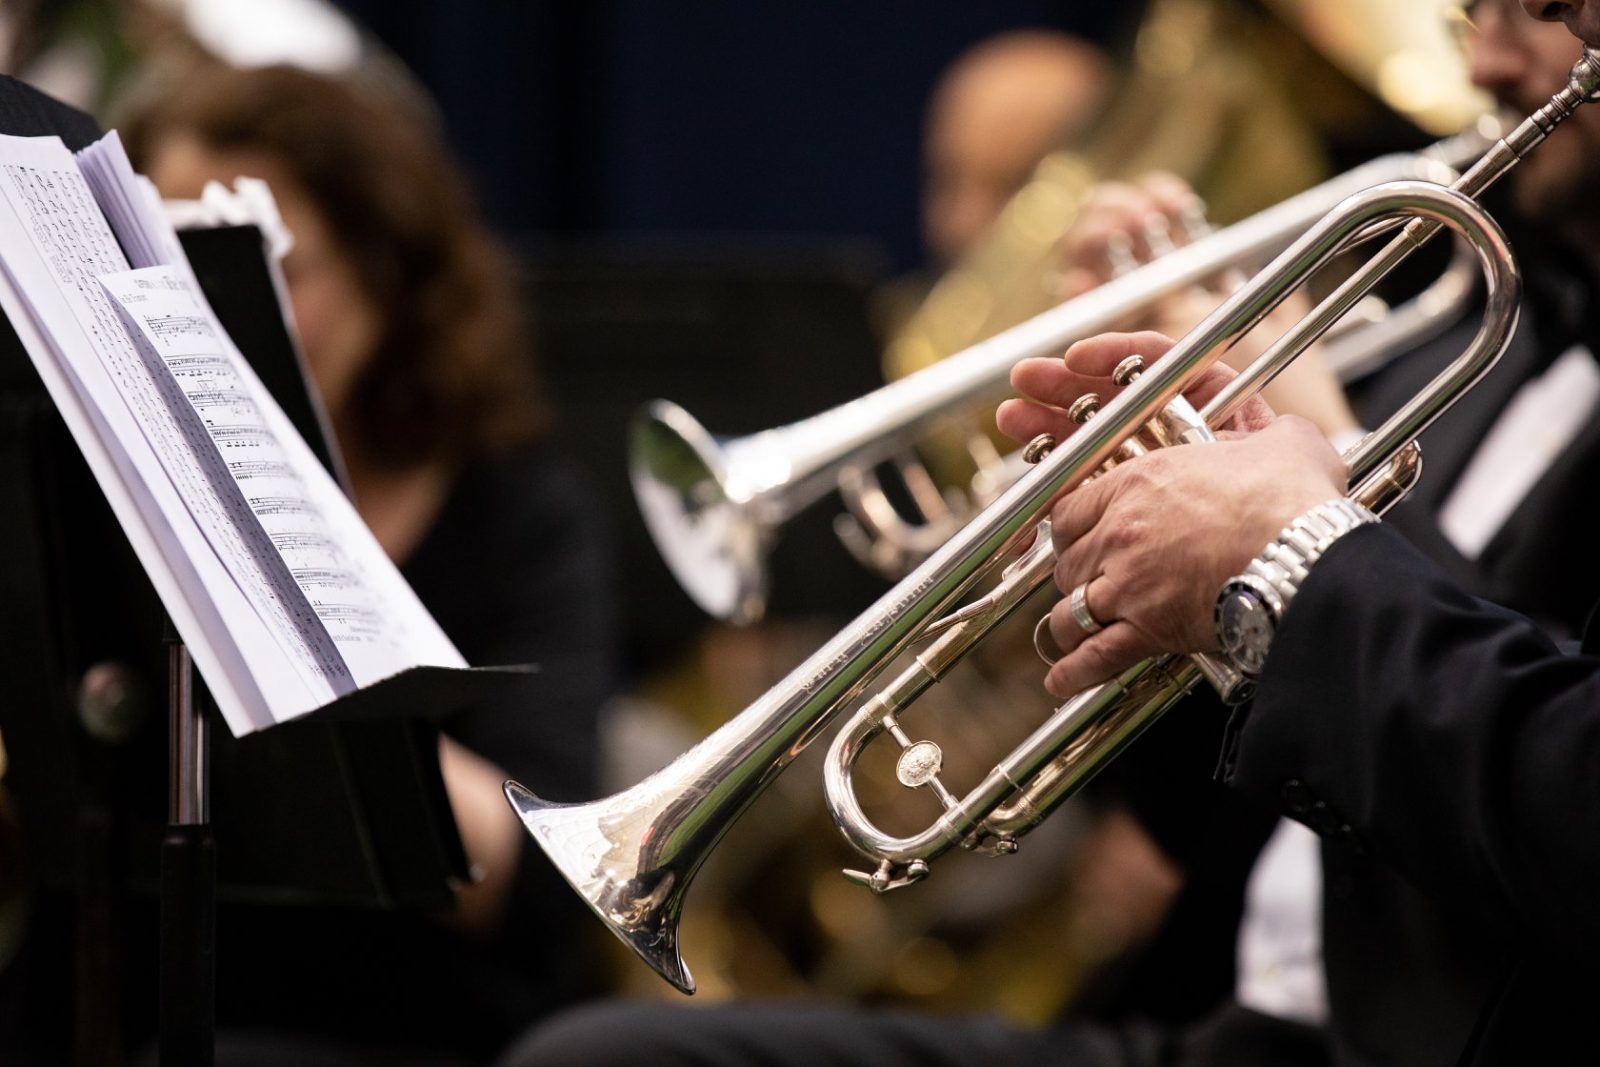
234,444
131,205
281,592
56,245
180,367
409,635
233,680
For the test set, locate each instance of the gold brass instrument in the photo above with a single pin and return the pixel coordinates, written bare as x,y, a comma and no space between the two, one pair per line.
1195,98
632,856
713,505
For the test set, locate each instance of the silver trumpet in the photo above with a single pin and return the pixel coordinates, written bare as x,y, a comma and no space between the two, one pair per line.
633,855
713,505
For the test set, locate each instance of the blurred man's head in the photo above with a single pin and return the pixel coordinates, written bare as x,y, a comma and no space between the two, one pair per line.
995,114
1523,63
1582,17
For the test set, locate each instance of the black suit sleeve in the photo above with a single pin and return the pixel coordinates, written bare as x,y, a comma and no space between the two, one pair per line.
1448,736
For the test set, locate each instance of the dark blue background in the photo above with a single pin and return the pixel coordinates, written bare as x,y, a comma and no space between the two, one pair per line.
673,117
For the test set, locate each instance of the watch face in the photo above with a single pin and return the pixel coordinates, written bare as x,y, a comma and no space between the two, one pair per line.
1244,626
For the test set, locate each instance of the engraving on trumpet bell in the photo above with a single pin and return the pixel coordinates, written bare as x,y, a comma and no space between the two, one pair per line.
919,764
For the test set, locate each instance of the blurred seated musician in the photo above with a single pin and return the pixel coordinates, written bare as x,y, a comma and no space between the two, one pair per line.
408,316
999,109
1520,452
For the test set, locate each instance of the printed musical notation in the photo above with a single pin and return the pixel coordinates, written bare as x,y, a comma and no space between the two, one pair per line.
322,577
203,365
246,469
207,409
216,405
357,622
171,327
284,597
226,398
240,436
280,505
298,540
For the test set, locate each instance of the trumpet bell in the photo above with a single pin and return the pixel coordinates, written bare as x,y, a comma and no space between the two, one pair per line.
702,519
597,849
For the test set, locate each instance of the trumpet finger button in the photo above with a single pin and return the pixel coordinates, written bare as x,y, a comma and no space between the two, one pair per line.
919,763
1038,448
1084,408
1127,372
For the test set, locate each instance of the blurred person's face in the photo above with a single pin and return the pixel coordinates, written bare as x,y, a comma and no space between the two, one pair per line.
1582,17
337,323
974,168
1523,63
991,122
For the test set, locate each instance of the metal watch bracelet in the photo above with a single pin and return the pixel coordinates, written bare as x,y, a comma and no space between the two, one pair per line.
1251,604
1286,561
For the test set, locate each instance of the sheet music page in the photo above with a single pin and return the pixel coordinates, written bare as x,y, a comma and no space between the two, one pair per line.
207,423
266,496
160,548
281,592
56,245
410,636
130,204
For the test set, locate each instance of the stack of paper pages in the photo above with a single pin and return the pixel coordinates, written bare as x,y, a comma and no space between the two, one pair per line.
281,593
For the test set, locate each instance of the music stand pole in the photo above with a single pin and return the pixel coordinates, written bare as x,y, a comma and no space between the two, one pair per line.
188,879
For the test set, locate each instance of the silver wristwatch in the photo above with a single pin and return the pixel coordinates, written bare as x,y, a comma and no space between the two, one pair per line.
1250,606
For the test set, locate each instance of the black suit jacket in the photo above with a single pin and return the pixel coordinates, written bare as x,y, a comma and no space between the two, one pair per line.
1539,563
1413,972
1449,755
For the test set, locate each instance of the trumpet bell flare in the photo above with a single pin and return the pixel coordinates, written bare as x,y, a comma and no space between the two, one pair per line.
640,907
706,531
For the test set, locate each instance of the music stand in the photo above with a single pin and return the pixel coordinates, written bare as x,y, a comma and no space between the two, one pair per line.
83,653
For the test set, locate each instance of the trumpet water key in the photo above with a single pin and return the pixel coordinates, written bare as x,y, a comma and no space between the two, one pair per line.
633,855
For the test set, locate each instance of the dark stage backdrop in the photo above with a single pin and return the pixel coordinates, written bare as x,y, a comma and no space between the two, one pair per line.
669,117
